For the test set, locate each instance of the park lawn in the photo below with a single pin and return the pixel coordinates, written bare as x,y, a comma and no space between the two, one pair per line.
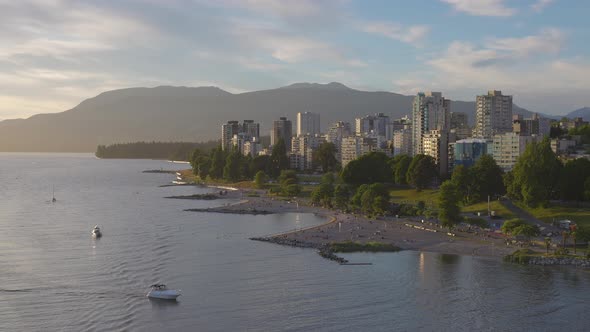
412,196
580,216
482,207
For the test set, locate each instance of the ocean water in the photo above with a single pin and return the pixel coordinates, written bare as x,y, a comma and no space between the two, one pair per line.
55,277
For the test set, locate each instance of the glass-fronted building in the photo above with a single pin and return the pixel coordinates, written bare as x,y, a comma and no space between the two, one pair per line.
467,151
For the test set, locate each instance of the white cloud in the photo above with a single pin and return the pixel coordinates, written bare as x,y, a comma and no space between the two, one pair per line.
290,48
540,5
412,34
529,67
482,7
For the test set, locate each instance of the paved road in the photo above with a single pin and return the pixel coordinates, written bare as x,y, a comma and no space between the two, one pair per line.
522,214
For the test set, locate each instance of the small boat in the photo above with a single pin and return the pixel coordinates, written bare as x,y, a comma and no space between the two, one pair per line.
96,232
160,291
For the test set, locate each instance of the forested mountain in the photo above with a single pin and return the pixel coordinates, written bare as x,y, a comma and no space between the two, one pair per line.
193,114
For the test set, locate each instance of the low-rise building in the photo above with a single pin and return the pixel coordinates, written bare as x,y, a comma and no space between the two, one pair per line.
507,147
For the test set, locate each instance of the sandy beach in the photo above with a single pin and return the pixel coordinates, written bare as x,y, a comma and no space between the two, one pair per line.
406,233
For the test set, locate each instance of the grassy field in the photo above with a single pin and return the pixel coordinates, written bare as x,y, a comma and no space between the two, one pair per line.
580,216
411,196
483,208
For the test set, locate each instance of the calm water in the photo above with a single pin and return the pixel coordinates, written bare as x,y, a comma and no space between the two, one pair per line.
54,276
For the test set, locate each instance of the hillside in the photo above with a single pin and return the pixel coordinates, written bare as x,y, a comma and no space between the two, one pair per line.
193,114
580,113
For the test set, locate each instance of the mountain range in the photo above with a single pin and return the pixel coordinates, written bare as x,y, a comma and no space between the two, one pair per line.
167,113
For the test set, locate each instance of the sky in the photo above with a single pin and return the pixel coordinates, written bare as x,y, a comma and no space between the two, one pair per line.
56,53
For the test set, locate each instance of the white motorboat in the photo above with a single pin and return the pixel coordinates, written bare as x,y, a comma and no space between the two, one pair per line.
96,232
160,291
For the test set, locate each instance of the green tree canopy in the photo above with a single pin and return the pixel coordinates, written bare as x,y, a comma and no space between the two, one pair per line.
449,211
400,166
369,168
260,179
509,225
463,179
231,170
422,171
535,175
279,160
572,179
488,178
341,197
217,163
325,157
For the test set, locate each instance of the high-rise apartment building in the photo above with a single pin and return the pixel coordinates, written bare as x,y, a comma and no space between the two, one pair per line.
534,125
459,125
436,145
430,111
302,148
373,125
336,133
308,123
281,128
355,146
228,130
493,114
234,134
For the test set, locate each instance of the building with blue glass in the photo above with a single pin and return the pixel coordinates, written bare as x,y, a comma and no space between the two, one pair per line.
467,151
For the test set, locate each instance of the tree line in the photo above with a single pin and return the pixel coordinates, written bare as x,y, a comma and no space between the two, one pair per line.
180,151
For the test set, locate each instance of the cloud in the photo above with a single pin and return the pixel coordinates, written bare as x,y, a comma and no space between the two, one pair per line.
549,40
540,5
412,34
287,47
529,67
482,7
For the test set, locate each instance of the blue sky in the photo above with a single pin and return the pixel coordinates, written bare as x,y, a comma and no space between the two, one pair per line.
56,53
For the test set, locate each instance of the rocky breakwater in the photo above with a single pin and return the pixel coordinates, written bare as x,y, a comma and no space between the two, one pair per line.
231,211
579,262
527,256
323,249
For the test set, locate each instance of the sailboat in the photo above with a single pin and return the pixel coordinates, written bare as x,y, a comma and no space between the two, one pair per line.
53,199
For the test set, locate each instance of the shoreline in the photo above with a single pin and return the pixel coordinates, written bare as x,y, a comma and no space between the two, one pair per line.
404,233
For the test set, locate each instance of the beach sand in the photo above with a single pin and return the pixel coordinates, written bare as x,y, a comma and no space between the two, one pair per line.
401,232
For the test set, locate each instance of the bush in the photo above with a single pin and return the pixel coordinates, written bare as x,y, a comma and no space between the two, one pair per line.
479,222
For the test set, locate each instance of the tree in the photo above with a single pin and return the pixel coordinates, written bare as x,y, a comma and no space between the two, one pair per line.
325,157
509,225
449,212
535,175
572,179
525,230
323,195
374,199
260,163
422,171
278,159
341,197
260,179
463,180
401,163
288,181
217,163
488,177
369,168
231,170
